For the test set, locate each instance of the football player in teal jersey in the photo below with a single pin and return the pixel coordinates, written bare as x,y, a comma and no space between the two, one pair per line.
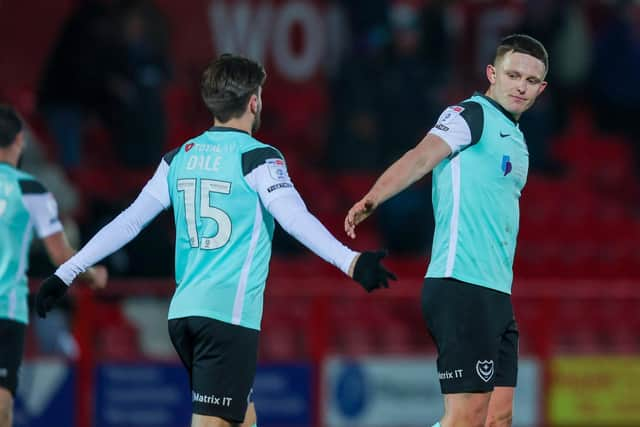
225,189
479,161
25,207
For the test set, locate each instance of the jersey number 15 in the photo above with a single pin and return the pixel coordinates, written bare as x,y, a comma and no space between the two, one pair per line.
207,186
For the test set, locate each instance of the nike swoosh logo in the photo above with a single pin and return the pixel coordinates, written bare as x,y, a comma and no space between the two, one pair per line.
503,135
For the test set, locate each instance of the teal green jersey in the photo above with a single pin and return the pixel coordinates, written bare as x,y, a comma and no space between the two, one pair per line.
25,206
223,231
476,194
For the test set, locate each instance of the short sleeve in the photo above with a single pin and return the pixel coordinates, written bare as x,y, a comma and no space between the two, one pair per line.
460,126
42,208
265,171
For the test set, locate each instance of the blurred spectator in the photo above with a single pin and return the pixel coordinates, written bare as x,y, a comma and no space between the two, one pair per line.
354,140
111,61
74,80
436,34
561,27
615,71
407,91
138,114
571,53
368,23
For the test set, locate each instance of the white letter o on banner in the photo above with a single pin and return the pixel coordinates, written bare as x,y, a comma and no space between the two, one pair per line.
304,65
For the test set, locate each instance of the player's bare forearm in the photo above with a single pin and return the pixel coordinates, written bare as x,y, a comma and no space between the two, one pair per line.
97,276
396,178
411,167
58,248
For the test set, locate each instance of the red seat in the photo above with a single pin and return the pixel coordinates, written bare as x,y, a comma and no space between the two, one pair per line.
116,337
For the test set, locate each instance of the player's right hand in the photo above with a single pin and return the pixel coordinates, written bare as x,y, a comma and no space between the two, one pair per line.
358,213
50,292
369,271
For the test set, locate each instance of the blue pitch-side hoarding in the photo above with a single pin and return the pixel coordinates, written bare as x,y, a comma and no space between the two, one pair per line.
151,395
383,391
282,394
156,394
142,395
46,395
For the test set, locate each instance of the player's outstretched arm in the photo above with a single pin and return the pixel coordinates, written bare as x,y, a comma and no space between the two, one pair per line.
268,176
152,200
412,166
124,228
365,268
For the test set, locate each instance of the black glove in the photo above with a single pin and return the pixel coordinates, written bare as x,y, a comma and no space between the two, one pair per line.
51,290
370,272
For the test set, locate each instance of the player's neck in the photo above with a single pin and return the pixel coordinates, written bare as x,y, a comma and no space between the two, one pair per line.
7,156
242,123
489,94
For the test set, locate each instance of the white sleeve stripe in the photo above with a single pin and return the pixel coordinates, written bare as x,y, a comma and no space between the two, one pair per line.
51,231
43,210
453,129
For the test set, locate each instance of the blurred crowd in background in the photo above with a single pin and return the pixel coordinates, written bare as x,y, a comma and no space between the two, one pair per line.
115,90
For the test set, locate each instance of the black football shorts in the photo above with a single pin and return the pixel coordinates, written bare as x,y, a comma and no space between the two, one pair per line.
476,335
11,349
221,360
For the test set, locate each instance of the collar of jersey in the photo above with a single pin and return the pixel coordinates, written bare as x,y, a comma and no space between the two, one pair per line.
498,107
6,164
226,129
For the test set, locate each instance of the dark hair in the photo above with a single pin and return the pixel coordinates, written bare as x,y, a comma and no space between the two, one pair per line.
10,125
523,43
227,84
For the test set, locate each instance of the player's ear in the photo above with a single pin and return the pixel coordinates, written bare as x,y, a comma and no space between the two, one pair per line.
253,104
491,73
542,87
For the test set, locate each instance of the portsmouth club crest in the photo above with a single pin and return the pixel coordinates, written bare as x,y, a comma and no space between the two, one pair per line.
484,368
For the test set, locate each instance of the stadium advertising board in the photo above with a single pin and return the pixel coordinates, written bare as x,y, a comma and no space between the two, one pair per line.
46,395
383,391
141,395
595,391
282,395
157,395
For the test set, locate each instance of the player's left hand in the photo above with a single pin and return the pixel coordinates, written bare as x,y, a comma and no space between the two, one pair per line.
369,271
50,292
